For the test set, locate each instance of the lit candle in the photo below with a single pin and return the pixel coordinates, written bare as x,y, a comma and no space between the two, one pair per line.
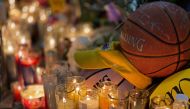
33,97
16,90
89,100
65,97
116,102
26,62
161,102
107,88
79,84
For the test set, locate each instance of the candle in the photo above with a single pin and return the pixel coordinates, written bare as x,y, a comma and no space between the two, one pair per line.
16,90
138,99
161,102
26,63
116,102
33,97
50,82
65,97
79,84
107,88
89,100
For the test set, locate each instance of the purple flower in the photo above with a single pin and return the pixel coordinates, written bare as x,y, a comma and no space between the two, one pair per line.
113,13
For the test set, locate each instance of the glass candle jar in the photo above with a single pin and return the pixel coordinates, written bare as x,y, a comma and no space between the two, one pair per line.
161,102
107,89
79,85
49,82
138,99
16,90
65,97
33,97
117,102
88,99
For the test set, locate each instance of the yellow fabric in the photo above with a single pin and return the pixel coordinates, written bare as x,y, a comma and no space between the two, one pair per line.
90,59
121,65
174,84
111,58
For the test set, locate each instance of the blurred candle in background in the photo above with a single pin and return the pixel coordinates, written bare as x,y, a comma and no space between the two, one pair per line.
16,91
79,83
65,97
33,97
49,83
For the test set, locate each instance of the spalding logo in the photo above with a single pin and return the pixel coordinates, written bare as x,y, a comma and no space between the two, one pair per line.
135,42
95,77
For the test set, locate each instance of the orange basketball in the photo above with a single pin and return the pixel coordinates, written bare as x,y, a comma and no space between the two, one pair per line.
155,38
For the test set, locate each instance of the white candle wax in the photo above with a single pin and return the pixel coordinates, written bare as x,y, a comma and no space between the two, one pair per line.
69,104
89,103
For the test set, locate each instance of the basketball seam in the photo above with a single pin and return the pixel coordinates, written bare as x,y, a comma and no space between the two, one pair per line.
177,36
155,36
146,56
167,66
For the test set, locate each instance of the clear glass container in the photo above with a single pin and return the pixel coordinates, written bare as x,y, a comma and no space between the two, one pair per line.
138,99
88,99
50,82
65,97
107,89
161,102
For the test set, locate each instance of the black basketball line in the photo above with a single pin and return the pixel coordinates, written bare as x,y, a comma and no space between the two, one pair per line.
96,72
155,36
188,33
147,56
121,82
158,69
168,66
177,36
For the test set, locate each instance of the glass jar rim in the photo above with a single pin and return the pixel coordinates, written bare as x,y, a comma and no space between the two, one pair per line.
139,93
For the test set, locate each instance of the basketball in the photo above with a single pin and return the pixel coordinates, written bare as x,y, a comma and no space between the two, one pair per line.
155,38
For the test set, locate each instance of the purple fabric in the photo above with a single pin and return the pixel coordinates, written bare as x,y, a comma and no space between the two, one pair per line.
113,13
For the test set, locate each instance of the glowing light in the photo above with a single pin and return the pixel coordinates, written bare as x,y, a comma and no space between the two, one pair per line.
52,43
86,30
74,80
19,88
32,9
12,25
30,97
30,19
11,2
24,15
73,29
77,89
10,49
25,9
43,17
23,40
88,98
73,39
64,100
49,28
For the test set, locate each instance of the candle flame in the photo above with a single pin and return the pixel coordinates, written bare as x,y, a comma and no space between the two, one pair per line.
88,98
74,80
10,49
30,97
77,89
64,100
87,29
19,88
